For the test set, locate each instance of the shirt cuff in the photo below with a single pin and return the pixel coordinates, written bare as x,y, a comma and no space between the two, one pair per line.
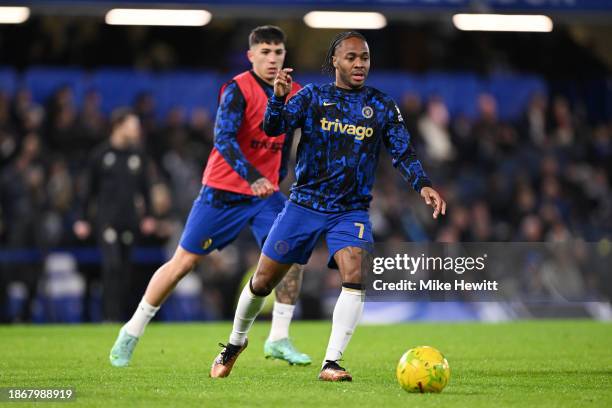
422,182
277,100
253,176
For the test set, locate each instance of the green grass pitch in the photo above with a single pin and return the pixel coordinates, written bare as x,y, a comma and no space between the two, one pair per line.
531,363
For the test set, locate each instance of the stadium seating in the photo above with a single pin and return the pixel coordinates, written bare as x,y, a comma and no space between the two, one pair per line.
189,89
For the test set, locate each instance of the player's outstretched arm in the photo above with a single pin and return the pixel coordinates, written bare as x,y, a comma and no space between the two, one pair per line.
397,142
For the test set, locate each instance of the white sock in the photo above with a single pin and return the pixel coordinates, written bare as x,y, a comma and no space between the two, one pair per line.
142,316
281,319
347,313
249,306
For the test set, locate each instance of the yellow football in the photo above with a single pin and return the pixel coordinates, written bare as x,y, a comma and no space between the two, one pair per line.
423,369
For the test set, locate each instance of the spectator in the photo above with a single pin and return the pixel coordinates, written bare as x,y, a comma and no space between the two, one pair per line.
91,121
23,197
144,107
411,112
534,121
61,132
433,127
117,179
563,133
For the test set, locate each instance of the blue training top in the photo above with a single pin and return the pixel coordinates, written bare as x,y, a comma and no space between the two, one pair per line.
342,131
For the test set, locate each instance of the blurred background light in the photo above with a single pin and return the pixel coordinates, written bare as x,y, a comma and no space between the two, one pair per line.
158,17
14,15
340,19
502,22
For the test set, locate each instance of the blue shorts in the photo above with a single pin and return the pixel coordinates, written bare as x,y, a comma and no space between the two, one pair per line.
209,228
297,229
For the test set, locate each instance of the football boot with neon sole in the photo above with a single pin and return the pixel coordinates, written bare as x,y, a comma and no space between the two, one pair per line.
283,349
121,353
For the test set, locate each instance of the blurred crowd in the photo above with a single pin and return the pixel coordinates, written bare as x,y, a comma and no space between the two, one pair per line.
544,177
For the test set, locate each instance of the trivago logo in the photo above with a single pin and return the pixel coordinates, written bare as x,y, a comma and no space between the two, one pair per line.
360,132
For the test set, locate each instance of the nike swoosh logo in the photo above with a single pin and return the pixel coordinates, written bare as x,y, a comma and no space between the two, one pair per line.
329,103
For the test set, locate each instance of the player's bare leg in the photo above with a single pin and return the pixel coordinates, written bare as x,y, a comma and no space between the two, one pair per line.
268,274
288,290
169,274
347,312
161,284
279,345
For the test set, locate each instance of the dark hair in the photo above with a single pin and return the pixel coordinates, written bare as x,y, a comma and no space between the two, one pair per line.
119,116
328,64
266,34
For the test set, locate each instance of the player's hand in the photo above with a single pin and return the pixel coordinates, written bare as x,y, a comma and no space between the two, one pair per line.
432,198
262,188
148,225
81,229
282,82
